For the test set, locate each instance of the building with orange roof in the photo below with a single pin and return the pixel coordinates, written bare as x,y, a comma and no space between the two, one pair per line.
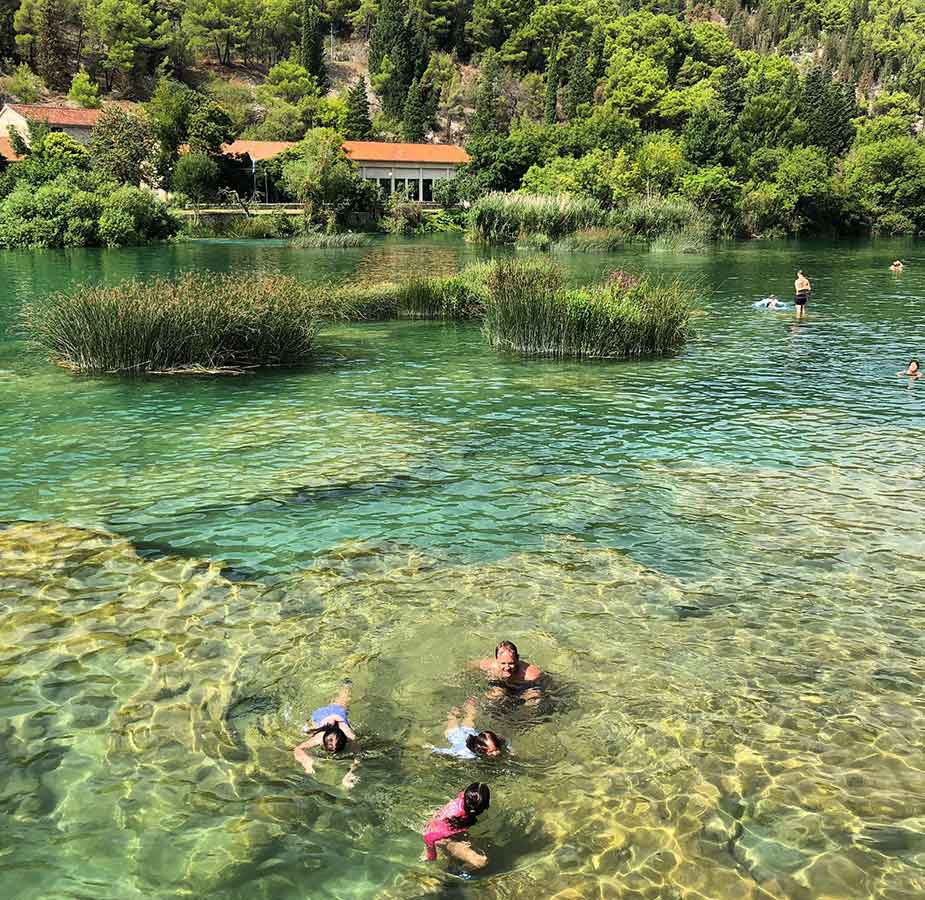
78,123
408,167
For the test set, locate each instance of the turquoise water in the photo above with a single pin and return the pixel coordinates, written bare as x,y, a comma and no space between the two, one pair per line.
718,556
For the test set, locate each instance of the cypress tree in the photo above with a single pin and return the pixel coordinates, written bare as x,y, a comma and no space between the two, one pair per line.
7,31
552,86
386,33
311,51
51,49
358,126
580,86
414,120
596,62
487,118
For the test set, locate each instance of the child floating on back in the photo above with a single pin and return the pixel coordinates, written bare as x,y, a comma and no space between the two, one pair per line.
331,732
465,741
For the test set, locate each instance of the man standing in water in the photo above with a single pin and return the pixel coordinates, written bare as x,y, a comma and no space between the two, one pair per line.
511,675
801,288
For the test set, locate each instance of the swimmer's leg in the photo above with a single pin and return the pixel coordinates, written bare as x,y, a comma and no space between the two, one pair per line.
469,711
532,696
343,695
495,693
462,850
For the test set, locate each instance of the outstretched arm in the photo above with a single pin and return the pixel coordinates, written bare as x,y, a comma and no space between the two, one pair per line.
302,757
350,779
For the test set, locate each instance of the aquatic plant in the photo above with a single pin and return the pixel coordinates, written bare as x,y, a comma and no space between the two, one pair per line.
504,218
530,311
651,216
336,241
539,240
198,322
593,240
692,239
235,227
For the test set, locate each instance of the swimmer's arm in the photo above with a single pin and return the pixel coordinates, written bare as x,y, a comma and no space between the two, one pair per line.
347,730
302,757
483,664
350,779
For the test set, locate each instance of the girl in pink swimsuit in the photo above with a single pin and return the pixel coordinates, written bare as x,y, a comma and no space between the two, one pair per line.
455,819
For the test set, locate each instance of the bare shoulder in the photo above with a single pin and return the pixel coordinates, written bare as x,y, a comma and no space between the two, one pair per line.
483,664
532,672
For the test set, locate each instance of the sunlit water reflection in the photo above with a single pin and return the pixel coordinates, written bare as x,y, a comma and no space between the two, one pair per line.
719,558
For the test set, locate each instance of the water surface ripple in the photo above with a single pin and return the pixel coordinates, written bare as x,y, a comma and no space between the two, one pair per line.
718,557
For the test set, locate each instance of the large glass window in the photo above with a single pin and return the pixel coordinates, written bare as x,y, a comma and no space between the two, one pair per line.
386,185
427,189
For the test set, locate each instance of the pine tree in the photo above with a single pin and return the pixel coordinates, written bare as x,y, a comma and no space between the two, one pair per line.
357,124
311,51
414,124
51,49
552,86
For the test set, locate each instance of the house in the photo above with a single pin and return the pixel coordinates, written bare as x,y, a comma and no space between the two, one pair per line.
410,167
78,123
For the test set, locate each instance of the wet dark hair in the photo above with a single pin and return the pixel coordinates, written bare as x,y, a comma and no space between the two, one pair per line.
911,361
476,799
507,645
478,743
340,739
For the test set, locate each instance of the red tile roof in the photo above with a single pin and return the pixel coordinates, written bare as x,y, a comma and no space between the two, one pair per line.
383,151
256,150
7,151
57,115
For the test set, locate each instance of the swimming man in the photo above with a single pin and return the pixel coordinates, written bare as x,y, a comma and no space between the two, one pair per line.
510,675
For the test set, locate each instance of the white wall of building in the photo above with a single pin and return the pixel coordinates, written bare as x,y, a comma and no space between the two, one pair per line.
420,178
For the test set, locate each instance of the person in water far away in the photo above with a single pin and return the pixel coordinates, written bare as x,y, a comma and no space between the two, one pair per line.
913,370
897,266
453,821
465,741
801,288
331,731
509,674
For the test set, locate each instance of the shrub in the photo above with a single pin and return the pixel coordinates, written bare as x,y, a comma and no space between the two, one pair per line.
528,310
133,215
503,218
24,84
402,216
83,91
196,175
199,322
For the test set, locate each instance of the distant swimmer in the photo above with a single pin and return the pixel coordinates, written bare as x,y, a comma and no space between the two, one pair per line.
801,289
453,821
771,303
465,741
510,675
912,371
897,266
330,729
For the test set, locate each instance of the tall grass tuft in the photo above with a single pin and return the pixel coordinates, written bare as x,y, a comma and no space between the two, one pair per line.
337,241
649,217
196,323
504,218
593,240
530,311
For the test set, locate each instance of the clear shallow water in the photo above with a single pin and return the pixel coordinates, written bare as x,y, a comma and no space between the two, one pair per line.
719,557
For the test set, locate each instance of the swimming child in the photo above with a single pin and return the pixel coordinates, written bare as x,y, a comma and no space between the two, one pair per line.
331,731
453,821
465,741
897,266
913,370
770,303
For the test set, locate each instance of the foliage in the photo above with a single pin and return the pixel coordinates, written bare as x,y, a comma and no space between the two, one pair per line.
311,50
530,311
83,91
593,240
198,322
54,199
318,173
357,124
337,241
123,146
23,84
196,175
650,216
503,218
402,215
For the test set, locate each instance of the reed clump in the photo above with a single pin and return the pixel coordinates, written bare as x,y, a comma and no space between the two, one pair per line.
531,311
500,218
207,323
337,241
593,240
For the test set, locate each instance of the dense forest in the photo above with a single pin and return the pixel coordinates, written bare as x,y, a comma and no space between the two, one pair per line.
775,117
